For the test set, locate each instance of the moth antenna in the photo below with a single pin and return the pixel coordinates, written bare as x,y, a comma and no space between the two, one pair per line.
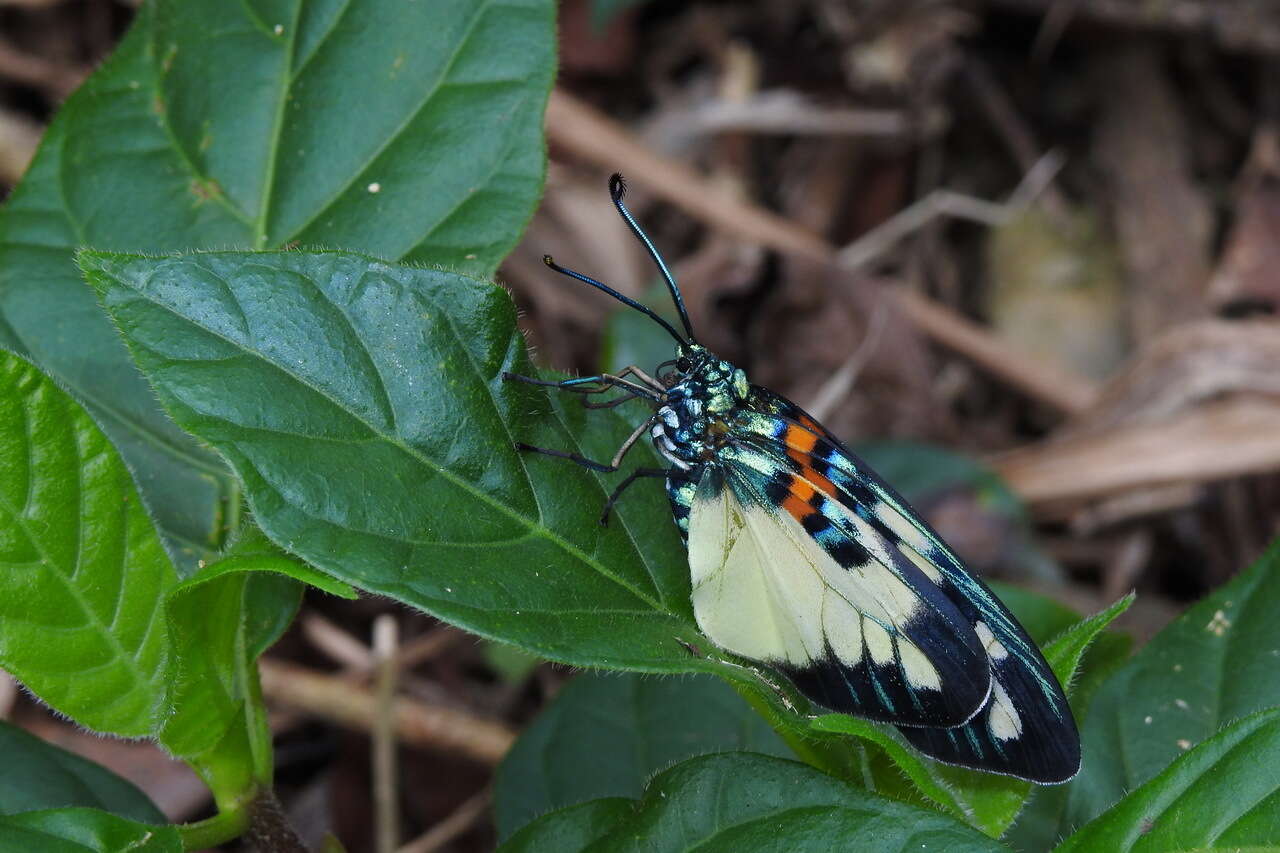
625,300
617,189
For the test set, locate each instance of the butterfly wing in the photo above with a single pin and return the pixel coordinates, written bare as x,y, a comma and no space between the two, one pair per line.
785,574
1025,727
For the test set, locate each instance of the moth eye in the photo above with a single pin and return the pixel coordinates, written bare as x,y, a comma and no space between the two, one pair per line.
683,364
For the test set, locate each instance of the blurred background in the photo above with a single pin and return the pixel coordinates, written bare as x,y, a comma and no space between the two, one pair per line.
1024,255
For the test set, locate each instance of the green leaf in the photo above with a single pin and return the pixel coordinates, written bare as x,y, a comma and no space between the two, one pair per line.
216,125
605,736
512,665
741,801
571,828
82,570
1223,793
363,406
1065,651
77,830
220,621
53,778
1213,664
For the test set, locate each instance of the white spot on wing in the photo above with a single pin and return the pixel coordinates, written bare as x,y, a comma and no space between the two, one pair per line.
878,641
1003,722
920,673
843,627
995,649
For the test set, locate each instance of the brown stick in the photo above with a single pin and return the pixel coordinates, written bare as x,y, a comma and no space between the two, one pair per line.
1226,438
462,819
58,80
386,793
582,130
417,724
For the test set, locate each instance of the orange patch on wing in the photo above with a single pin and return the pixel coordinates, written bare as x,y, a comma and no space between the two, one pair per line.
801,439
804,485
824,485
797,500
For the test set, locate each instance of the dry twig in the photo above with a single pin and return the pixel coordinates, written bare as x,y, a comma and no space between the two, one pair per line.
57,79
417,724
1186,366
1163,219
837,387
947,203
386,794
462,819
784,111
357,659
19,137
1227,438
8,694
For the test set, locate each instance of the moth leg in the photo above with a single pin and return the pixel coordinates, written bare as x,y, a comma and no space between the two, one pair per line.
609,404
572,457
630,442
632,370
579,385
637,474
613,465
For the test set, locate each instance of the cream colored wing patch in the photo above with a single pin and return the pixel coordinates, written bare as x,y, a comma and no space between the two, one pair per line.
763,588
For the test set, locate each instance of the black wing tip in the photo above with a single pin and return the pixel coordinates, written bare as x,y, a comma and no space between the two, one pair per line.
1048,763
617,186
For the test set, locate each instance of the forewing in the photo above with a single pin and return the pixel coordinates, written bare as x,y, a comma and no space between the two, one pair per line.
791,578
1025,729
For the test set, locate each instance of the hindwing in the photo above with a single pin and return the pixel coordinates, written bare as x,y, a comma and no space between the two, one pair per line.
801,583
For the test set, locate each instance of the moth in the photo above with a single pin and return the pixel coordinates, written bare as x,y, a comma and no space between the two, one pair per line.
802,558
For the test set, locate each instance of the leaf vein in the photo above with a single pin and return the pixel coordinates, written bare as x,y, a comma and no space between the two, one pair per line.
481,9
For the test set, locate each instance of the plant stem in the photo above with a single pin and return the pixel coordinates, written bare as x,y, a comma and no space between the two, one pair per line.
219,829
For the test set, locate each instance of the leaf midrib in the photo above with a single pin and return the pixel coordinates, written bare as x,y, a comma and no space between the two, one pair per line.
273,153
534,528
